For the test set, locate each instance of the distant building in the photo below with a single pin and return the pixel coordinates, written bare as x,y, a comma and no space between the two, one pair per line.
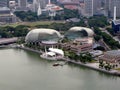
5,15
81,40
92,7
42,35
39,12
116,26
109,4
12,4
3,3
70,4
96,53
88,8
22,5
116,22
79,32
36,4
43,3
79,45
4,10
52,9
111,57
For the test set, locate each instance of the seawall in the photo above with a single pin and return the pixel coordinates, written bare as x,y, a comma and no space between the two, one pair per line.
29,49
111,72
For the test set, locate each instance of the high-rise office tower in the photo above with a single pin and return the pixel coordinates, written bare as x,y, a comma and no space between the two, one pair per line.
96,6
22,3
3,3
92,7
112,4
43,3
88,8
35,5
39,12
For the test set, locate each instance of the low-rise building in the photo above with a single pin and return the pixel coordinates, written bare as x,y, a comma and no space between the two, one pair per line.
111,57
79,45
96,53
70,4
116,26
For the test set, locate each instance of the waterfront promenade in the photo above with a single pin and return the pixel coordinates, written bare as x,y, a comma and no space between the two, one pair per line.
8,40
94,66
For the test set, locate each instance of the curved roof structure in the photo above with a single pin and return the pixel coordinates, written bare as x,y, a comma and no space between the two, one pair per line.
88,30
42,34
58,51
78,32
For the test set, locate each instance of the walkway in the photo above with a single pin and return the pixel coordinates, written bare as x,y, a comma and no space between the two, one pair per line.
8,40
94,66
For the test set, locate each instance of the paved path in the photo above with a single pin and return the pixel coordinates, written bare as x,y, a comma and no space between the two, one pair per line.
94,66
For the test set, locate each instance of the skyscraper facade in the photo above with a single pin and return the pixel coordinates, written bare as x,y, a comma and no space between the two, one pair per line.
3,3
113,3
92,7
36,4
96,6
22,3
43,3
88,8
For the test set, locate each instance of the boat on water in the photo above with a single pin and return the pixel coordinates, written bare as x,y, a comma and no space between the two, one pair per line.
56,64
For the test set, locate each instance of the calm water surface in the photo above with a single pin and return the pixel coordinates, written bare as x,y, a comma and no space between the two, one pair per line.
23,70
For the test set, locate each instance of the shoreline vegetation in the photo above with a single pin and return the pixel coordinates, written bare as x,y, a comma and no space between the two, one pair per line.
93,66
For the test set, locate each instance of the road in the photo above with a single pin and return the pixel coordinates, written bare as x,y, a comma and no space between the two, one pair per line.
114,37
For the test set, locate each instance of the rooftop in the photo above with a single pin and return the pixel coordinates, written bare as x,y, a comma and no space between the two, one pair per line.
114,53
49,42
4,8
116,22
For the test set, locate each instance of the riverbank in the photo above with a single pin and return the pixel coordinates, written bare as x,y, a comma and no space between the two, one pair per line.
112,72
29,49
88,65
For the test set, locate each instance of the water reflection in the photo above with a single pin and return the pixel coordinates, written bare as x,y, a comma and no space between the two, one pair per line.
24,70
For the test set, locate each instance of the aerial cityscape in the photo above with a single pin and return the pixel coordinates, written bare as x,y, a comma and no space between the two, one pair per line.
59,44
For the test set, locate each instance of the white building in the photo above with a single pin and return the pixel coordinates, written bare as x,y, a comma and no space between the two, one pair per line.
37,3
39,12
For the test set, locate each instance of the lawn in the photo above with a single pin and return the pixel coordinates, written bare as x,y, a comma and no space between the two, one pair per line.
117,69
32,24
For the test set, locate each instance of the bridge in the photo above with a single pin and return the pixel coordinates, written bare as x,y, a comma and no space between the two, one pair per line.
4,41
